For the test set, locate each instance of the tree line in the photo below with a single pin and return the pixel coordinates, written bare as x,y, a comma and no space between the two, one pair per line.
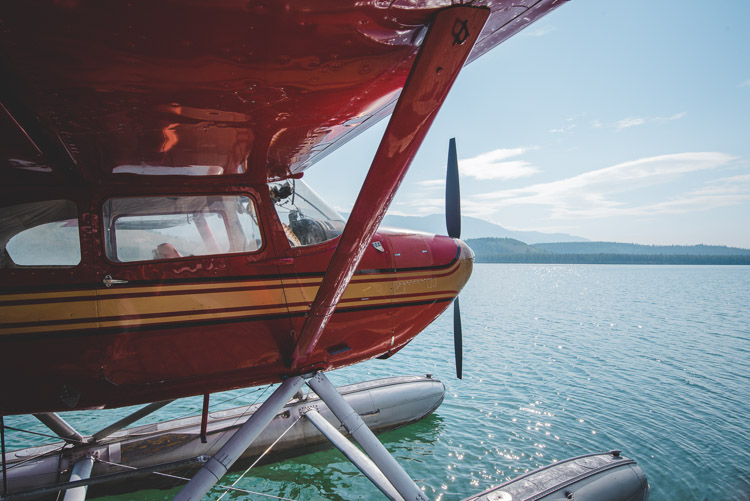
550,258
508,250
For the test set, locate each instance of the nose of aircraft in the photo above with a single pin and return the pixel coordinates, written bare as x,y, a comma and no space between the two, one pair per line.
447,261
456,269
466,261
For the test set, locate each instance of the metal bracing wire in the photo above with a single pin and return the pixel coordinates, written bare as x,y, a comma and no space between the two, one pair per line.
185,479
42,434
262,455
247,409
34,458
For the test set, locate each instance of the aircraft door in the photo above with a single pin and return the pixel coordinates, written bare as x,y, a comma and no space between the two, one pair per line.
363,319
47,302
189,287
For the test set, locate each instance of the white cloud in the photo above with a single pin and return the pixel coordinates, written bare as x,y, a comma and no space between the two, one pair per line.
538,31
726,185
594,194
628,122
625,123
746,83
495,165
396,212
432,183
567,129
676,116
418,207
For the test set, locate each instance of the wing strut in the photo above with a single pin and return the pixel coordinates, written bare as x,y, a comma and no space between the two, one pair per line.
444,51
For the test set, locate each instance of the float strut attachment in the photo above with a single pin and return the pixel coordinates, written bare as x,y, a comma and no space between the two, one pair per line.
357,457
366,438
81,471
217,466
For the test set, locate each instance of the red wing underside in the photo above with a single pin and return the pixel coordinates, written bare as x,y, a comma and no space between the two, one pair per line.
107,91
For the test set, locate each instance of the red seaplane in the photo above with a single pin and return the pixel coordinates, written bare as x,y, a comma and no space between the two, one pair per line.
156,238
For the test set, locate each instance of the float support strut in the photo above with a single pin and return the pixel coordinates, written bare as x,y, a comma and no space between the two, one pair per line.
357,457
128,420
204,419
81,471
366,438
218,465
5,470
60,427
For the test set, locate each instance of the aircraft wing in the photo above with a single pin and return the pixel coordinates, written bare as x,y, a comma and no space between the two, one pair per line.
99,91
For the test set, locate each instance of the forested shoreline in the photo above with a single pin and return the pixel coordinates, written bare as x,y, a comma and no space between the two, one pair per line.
611,259
508,250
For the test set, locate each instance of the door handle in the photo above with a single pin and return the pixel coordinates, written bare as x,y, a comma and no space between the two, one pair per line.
109,281
281,261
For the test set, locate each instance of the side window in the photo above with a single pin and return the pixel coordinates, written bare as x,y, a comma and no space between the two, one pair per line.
155,228
41,234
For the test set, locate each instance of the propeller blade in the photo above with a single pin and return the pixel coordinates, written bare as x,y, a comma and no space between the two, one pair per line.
452,194
458,339
453,224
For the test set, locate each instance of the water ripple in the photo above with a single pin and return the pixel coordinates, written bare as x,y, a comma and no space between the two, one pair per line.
560,361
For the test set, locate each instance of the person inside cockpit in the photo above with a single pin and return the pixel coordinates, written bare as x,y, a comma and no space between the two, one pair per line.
306,218
166,251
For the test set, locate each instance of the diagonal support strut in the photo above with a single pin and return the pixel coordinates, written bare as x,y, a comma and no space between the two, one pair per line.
376,462
448,43
60,427
128,420
357,457
217,466
81,471
366,438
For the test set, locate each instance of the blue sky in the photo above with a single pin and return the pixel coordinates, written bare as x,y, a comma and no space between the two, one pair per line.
623,121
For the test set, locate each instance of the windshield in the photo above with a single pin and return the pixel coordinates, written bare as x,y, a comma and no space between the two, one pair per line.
306,218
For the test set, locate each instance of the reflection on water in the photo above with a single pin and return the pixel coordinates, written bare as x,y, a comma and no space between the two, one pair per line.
560,360
329,475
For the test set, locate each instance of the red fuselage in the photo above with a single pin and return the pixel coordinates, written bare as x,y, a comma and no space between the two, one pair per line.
187,109
196,324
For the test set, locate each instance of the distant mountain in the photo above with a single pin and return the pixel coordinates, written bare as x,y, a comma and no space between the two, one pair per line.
507,250
488,248
640,250
472,227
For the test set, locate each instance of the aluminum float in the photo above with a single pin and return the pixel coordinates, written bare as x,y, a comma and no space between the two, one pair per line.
592,477
175,445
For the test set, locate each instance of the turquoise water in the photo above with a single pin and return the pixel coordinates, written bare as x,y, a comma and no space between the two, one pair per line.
559,360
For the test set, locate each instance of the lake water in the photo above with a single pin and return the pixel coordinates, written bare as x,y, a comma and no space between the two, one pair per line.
559,360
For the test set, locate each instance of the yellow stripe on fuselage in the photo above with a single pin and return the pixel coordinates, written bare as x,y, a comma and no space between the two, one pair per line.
123,307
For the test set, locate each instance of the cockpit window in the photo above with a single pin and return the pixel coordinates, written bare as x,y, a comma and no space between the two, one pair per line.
306,218
43,234
156,228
